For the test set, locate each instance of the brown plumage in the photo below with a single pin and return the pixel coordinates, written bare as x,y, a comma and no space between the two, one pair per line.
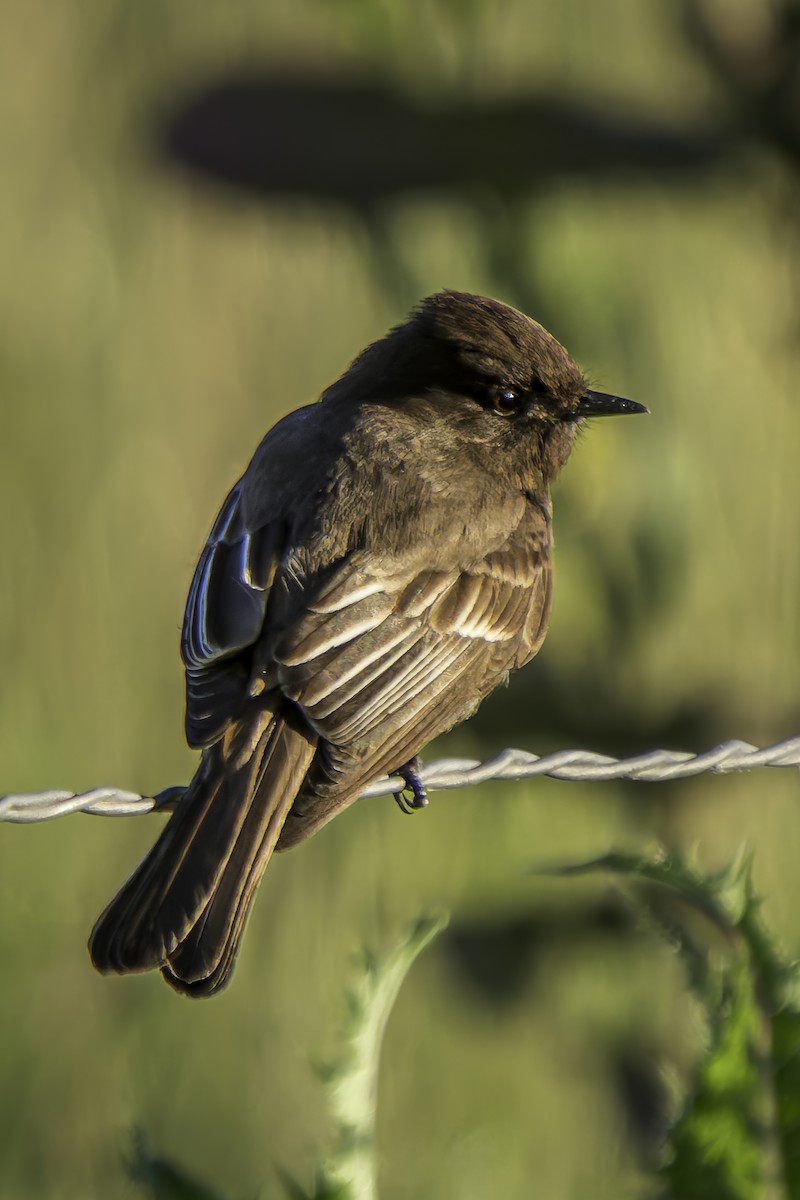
381,566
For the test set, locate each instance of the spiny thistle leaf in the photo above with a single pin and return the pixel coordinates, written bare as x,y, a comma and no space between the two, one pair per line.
742,1123
716,1146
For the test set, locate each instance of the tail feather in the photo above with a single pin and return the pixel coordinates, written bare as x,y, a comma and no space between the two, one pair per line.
185,906
207,951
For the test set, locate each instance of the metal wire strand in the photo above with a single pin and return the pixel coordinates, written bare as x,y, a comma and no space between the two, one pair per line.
575,765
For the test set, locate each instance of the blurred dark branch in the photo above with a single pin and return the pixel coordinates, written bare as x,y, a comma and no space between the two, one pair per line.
362,143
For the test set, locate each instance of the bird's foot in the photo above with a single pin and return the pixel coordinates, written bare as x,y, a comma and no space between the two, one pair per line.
409,773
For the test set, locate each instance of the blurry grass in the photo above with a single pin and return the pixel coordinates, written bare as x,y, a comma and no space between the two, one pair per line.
148,337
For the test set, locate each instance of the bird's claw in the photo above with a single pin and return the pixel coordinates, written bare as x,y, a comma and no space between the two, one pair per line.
409,773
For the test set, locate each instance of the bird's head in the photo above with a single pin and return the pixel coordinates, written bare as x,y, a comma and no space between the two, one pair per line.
507,361
491,368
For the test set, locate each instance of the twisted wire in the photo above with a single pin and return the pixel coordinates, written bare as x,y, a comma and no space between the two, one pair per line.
575,765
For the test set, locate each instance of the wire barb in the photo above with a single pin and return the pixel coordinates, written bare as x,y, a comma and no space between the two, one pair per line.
574,765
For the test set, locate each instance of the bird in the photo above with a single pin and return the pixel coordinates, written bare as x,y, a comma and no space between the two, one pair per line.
384,562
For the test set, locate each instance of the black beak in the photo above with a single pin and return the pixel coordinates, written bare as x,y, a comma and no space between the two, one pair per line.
599,404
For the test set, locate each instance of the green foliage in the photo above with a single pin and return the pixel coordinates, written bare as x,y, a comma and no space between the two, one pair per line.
786,1065
716,1148
744,1107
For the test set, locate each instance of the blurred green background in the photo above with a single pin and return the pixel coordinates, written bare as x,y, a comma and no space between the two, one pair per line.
155,321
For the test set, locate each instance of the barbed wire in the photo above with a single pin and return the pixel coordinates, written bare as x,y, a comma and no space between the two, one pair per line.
655,766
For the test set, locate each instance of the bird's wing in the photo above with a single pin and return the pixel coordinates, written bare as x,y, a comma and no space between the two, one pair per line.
224,617
380,664
364,645
372,648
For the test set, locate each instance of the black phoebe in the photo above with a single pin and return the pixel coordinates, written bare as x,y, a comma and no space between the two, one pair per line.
380,567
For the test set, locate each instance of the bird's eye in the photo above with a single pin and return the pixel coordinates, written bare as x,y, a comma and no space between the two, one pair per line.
507,402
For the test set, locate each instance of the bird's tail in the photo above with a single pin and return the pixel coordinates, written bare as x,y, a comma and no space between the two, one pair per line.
185,905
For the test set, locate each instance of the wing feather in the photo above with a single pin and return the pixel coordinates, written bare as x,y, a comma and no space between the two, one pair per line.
362,645
405,690
344,625
341,681
453,606
423,590
375,648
